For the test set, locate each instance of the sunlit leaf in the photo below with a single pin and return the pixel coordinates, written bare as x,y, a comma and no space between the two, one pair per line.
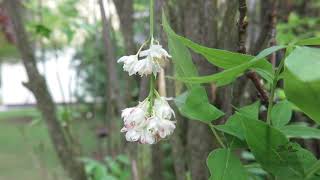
221,58
224,77
302,80
226,59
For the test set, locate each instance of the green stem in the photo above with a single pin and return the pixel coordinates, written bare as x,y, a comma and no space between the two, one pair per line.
151,19
152,77
142,46
273,89
151,92
217,135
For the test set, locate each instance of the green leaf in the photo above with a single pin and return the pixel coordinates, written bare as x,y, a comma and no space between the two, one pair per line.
271,149
302,80
233,125
224,59
96,170
180,54
113,166
251,110
195,105
234,142
303,160
309,42
281,114
225,76
68,32
42,30
123,159
265,74
300,131
224,165
220,58
314,171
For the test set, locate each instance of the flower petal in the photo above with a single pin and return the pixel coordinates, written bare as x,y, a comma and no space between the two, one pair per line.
133,135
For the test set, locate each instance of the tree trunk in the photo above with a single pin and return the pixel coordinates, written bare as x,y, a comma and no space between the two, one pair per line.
113,89
37,85
179,138
200,140
125,13
111,61
200,24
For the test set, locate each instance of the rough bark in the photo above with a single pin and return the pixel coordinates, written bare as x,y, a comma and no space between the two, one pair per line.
125,14
113,89
37,85
265,27
273,31
111,61
198,21
228,40
242,37
179,138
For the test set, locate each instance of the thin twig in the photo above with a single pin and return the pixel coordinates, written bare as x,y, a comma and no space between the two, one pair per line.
263,94
242,26
273,32
242,33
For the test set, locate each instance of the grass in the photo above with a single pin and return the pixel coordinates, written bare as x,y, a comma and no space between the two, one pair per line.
26,151
23,112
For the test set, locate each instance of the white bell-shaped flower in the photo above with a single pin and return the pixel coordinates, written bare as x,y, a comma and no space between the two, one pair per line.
157,53
140,134
155,57
148,127
129,63
161,127
132,135
162,108
147,137
147,66
135,116
160,123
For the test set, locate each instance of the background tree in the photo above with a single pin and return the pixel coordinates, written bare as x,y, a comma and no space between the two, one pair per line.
37,85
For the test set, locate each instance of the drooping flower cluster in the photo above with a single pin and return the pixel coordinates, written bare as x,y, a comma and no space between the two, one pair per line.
147,127
149,121
151,61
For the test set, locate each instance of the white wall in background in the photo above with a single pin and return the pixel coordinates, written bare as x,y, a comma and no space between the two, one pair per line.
12,75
